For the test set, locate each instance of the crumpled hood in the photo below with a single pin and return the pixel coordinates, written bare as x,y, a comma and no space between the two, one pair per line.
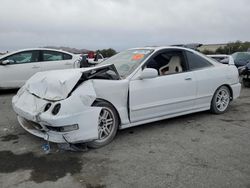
57,84
53,85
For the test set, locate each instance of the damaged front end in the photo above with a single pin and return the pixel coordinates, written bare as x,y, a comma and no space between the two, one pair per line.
52,106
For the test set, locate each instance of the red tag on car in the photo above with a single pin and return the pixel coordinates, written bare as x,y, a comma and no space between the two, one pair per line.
137,57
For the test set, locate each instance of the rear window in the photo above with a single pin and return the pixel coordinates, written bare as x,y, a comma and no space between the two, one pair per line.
67,56
196,62
52,56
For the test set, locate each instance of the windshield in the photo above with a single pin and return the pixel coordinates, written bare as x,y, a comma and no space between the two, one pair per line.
127,61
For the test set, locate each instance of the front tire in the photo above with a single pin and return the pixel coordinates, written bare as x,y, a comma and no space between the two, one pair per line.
107,125
220,101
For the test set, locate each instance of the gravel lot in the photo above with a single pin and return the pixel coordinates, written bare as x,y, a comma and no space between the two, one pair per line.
198,150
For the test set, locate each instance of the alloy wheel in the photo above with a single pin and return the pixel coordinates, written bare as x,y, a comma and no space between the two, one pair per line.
105,123
222,99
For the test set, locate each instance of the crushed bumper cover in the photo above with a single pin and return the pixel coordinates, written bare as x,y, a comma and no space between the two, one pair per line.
33,118
236,88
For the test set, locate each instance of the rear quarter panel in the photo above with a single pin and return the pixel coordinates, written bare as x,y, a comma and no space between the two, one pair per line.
210,79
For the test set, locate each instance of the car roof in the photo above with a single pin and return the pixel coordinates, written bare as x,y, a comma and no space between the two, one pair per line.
217,55
157,48
31,49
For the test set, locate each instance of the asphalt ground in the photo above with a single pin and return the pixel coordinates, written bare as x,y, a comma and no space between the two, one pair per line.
197,150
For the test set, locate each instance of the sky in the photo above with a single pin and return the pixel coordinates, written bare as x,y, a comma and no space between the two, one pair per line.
121,24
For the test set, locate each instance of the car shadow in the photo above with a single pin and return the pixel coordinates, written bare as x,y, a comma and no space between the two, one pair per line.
8,91
169,122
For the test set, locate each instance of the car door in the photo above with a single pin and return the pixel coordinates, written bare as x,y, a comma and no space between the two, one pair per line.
54,60
164,95
21,67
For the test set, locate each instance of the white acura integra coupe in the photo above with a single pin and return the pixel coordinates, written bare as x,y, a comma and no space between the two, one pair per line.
134,87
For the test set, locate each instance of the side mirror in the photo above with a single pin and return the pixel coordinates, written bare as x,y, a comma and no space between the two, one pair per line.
148,73
5,62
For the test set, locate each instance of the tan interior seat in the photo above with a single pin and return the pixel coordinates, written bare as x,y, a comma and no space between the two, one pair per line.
173,66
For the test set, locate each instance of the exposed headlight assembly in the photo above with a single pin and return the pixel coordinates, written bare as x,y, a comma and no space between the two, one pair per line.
47,106
56,109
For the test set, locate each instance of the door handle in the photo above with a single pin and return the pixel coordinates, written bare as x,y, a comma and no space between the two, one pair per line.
35,67
67,63
188,78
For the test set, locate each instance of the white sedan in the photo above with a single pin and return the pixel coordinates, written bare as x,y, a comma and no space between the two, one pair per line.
134,87
17,67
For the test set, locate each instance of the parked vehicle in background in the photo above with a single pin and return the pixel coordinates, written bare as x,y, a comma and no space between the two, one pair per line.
19,66
134,87
98,58
224,59
91,59
220,57
241,58
245,73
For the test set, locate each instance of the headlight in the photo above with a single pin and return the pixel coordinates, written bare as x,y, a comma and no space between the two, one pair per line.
56,109
48,105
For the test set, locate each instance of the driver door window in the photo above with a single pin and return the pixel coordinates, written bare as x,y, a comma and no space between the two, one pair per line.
167,63
20,68
23,57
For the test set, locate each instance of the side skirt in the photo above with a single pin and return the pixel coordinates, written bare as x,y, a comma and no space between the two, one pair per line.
164,117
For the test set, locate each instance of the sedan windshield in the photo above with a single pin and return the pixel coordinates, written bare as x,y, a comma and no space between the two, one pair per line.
127,61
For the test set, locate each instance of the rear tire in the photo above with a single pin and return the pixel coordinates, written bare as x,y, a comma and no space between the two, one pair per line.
221,100
107,126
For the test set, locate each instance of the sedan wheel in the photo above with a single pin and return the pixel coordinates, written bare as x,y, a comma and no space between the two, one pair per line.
221,100
107,125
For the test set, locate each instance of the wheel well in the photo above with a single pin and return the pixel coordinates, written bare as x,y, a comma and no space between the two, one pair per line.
230,90
103,100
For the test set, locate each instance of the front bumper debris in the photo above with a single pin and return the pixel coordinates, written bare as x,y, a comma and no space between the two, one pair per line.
43,124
